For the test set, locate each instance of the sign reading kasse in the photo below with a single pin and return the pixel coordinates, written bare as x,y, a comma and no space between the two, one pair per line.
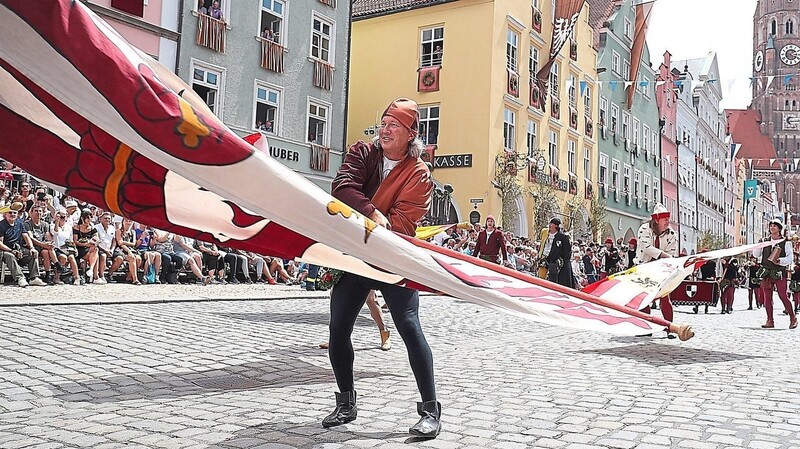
452,161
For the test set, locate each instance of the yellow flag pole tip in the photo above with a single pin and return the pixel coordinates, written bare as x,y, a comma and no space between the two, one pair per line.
684,331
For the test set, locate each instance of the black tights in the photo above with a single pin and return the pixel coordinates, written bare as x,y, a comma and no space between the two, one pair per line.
347,298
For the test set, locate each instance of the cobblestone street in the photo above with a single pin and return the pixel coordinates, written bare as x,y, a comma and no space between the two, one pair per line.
162,366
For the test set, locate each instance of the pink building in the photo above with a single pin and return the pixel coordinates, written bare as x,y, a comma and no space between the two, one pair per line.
667,98
149,25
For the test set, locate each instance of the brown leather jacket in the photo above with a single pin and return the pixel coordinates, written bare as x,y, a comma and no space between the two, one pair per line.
403,197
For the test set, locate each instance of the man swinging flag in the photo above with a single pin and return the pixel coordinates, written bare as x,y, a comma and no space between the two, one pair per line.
114,128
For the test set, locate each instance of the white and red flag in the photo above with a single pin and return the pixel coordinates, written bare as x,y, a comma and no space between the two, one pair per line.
85,111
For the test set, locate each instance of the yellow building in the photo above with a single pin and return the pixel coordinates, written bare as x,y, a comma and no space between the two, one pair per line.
468,63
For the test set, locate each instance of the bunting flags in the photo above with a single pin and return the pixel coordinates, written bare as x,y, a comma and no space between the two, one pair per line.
639,33
112,127
565,15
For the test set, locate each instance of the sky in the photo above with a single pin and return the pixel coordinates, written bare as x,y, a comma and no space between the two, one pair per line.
690,29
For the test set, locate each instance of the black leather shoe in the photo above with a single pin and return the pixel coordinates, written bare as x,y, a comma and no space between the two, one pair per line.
428,425
345,410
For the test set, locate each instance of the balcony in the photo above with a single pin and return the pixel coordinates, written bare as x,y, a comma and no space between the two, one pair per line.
272,55
320,157
323,75
211,33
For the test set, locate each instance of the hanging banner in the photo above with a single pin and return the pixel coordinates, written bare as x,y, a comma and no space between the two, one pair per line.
565,17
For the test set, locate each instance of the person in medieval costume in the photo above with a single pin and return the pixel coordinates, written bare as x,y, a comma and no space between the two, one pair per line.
656,240
775,259
558,254
491,245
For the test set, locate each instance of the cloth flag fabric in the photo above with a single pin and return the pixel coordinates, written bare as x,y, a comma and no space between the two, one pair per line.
639,286
750,189
566,14
637,49
426,232
88,113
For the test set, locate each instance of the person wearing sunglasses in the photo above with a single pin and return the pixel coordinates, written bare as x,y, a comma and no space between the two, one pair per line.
16,248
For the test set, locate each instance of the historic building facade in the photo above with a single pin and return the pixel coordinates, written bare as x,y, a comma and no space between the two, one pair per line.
686,130
776,70
667,100
497,146
629,143
278,67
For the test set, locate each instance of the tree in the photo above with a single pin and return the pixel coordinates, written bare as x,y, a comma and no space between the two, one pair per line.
545,204
711,241
597,216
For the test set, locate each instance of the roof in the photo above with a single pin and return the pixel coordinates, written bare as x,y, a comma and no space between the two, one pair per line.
599,12
368,8
745,128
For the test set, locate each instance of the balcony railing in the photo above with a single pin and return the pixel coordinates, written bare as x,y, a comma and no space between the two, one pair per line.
271,55
323,75
320,157
211,33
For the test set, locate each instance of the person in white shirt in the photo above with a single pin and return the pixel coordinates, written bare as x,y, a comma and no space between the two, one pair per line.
106,243
774,274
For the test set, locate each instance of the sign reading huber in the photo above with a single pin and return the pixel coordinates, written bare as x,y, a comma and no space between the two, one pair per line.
452,161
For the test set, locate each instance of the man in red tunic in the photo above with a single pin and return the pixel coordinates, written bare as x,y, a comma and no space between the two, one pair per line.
491,243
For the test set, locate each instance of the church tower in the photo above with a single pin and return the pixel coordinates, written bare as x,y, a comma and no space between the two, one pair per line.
776,69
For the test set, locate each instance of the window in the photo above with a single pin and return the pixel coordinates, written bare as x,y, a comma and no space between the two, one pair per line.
656,197
615,59
615,174
626,68
552,148
637,178
267,107
587,100
636,124
628,29
133,7
509,118
321,38
603,111
318,114
272,14
603,168
614,114
207,83
571,89
789,27
554,81
224,5
587,163
571,149
646,186
429,124
531,140
512,46
644,87
533,62
646,138
626,179
625,122
432,47
654,143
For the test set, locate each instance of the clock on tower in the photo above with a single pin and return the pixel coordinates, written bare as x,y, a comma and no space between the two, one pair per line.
758,61
790,54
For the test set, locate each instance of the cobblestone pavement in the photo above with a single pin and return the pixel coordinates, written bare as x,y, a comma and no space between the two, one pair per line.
248,374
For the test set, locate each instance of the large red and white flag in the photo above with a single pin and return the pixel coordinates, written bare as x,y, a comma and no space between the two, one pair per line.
85,111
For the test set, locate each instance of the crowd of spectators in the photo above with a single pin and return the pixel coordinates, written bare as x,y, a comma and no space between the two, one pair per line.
58,239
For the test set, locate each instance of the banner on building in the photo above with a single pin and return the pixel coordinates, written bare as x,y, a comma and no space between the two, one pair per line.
565,17
639,33
750,189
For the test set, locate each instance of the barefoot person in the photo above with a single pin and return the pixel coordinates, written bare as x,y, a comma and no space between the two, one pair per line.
386,181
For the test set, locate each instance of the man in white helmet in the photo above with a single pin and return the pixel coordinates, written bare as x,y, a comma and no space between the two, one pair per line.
656,240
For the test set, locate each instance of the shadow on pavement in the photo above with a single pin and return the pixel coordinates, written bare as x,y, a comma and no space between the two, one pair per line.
293,318
308,435
286,369
668,355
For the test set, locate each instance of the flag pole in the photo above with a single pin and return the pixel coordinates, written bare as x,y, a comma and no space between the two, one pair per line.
684,331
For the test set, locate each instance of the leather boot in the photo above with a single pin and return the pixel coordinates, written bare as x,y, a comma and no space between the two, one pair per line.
345,410
428,425
768,325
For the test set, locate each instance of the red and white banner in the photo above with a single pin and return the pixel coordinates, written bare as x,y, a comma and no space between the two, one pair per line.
86,112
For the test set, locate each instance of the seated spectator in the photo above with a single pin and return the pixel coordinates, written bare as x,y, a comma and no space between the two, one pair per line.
39,231
276,269
163,243
212,260
522,262
150,257
185,253
73,213
261,268
85,238
126,249
107,246
65,249
16,247
238,262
